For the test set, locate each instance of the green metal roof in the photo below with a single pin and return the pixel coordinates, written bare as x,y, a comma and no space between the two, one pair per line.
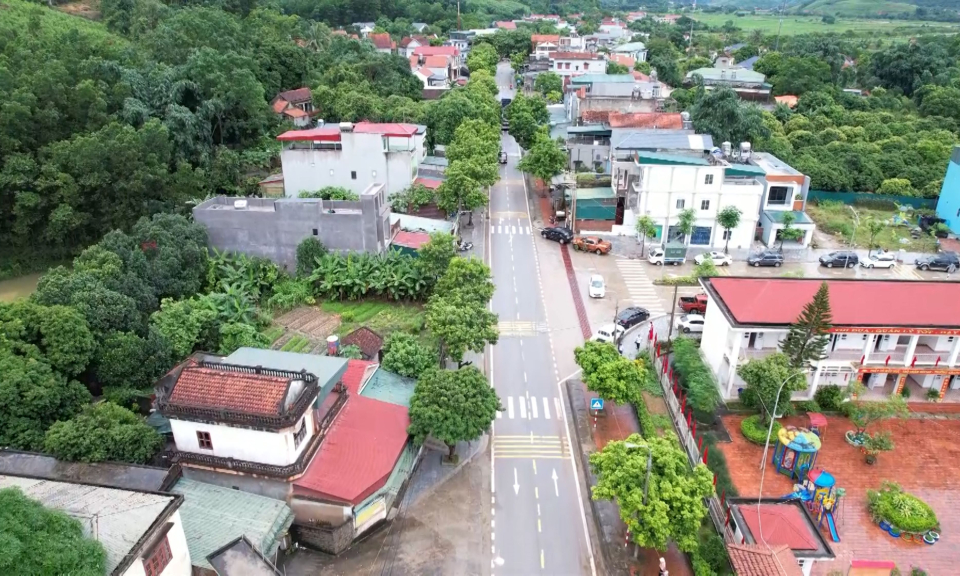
213,516
744,170
389,387
728,75
800,217
401,471
598,129
593,193
602,78
644,157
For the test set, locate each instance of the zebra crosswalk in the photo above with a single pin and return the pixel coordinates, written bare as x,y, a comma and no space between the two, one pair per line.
531,408
510,230
521,328
641,288
535,447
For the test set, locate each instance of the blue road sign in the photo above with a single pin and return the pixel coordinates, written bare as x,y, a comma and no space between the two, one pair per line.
596,404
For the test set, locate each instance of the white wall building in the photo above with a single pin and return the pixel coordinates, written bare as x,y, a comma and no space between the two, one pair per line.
635,50
914,344
353,156
569,64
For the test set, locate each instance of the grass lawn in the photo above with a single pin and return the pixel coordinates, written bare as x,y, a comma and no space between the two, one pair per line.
381,317
837,219
812,24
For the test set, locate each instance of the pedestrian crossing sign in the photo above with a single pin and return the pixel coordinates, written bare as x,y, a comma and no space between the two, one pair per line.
596,404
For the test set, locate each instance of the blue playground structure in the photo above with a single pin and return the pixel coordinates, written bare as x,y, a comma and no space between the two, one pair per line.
822,498
796,452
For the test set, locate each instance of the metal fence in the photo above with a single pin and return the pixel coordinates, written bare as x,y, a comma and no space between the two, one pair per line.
867,197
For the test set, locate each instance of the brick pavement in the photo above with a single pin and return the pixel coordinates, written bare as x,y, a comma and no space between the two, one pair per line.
925,461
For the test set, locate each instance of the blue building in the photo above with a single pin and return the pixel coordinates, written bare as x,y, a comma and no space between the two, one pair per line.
948,206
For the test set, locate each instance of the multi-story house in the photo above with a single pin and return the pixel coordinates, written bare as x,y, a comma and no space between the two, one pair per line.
785,192
569,64
460,39
383,43
748,85
887,334
452,55
543,45
410,43
635,50
353,156
612,93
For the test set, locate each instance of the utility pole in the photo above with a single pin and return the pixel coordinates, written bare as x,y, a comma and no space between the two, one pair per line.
673,311
780,26
458,16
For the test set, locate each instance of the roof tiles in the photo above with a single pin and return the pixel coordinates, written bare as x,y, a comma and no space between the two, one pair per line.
201,387
366,339
295,96
382,41
756,560
663,120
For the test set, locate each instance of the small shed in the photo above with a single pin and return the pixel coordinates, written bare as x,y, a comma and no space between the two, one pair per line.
272,186
368,341
409,242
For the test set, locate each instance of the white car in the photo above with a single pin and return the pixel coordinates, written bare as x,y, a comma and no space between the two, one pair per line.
881,260
690,323
598,289
608,334
719,258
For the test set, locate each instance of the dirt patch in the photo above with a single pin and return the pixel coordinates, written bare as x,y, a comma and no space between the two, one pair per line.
311,322
88,10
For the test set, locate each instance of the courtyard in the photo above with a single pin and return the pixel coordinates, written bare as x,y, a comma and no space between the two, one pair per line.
922,463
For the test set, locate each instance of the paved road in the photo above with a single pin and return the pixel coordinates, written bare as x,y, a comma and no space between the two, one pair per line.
538,522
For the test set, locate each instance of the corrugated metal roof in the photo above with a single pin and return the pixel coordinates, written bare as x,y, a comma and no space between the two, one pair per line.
401,471
663,140
389,387
678,159
593,193
745,170
213,516
629,47
327,369
116,518
728,75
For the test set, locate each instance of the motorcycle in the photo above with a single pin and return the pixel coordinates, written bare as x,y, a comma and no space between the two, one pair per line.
464,246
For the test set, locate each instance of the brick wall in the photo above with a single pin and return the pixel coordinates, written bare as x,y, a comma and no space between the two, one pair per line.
326,538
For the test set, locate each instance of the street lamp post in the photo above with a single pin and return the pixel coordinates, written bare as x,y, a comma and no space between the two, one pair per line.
856,224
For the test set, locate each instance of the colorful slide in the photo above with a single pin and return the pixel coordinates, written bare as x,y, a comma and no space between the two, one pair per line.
833,527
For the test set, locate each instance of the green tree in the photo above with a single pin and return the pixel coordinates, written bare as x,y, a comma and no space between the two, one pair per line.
434,256
474,140
807,340
617,68
483,57
176,251
789,231
331,193
405,355
39,540
459,192
728,218
103,432
308,251
452,406
460,324
544,160
517,61
673,507
32,397
645,227
56,334
468,277
873,227
235,335
183,323
608,374
764,378
724,116
896,187
863,413
548,82
685,222
125,360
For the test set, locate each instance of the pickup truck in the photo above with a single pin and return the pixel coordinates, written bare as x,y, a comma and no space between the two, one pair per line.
592,244
675,254
694,304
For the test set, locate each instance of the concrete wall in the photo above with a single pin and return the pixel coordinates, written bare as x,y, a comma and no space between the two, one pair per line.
276,488
180,561
329,539
265,447
274,228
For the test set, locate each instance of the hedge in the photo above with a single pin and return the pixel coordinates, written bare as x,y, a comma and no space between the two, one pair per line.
695,379
755,430
902,510
717,463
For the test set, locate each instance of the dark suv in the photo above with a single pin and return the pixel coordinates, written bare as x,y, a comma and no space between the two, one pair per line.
558,234
946,261
840,259
766,258
629,317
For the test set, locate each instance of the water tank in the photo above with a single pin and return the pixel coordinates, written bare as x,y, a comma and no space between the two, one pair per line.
727,148
239,204
333,345
346,126
745,150
320,122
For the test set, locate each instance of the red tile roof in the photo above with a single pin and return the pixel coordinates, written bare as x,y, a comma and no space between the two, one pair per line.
623,59
295,112
359,453
506,25
411,239
279,105
321,134
783,525
431,183
637,75
436,62
574,56
366,339
407,40
663,120
757,560
385,128
539,38
595,115
779,301
382,41
199,387
436,51
296,96
353,377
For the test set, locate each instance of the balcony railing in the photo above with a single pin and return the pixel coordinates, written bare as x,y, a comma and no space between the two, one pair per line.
925,356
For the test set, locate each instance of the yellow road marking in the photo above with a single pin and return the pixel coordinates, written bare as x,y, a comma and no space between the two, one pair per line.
521,215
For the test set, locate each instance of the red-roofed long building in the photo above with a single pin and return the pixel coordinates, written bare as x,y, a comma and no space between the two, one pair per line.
888,334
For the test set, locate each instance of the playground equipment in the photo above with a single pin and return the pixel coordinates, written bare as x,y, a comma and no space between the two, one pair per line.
822,498
796,451
818,423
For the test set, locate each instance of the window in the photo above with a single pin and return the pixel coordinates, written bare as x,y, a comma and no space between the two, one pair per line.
778,195
353,175
704,204
949,339
158,558
681,203
727,234
300,433
708,179
586,65
843,336
316,232
203,438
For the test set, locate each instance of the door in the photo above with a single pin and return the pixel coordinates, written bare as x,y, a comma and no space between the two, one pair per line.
618,217
674,234
753,339
701,236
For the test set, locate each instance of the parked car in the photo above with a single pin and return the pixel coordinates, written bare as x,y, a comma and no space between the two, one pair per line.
608,334
945,261
503,157
598,288
675,254
557,234
766,258
630,317
592,244
880,260
719,258
694,304
690,323
842,259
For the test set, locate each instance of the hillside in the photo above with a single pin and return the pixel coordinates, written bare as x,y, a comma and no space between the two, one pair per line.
848,8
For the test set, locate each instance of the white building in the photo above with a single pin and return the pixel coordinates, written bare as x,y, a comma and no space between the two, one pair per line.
786,192
569,64
543,45
887,334
635,50
141,532
353,156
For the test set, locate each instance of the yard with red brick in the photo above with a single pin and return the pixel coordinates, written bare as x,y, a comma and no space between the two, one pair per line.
925,462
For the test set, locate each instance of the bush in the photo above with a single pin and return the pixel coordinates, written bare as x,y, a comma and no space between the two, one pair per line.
713,550
289,293
695,378
717,463
406,356
829,398
103,432
755,430
902,510
808,406
307,253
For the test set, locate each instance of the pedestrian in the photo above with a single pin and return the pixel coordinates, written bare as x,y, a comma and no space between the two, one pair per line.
663,568
638,345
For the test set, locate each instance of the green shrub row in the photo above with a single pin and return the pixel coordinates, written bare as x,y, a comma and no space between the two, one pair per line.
829,397
717,463
902,510
695,379
294,344
754,430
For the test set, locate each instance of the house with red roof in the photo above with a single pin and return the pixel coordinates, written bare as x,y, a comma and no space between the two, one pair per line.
569,64
325,434
294,105
410,43
505,25
543,45
770,533
383,43
887,334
